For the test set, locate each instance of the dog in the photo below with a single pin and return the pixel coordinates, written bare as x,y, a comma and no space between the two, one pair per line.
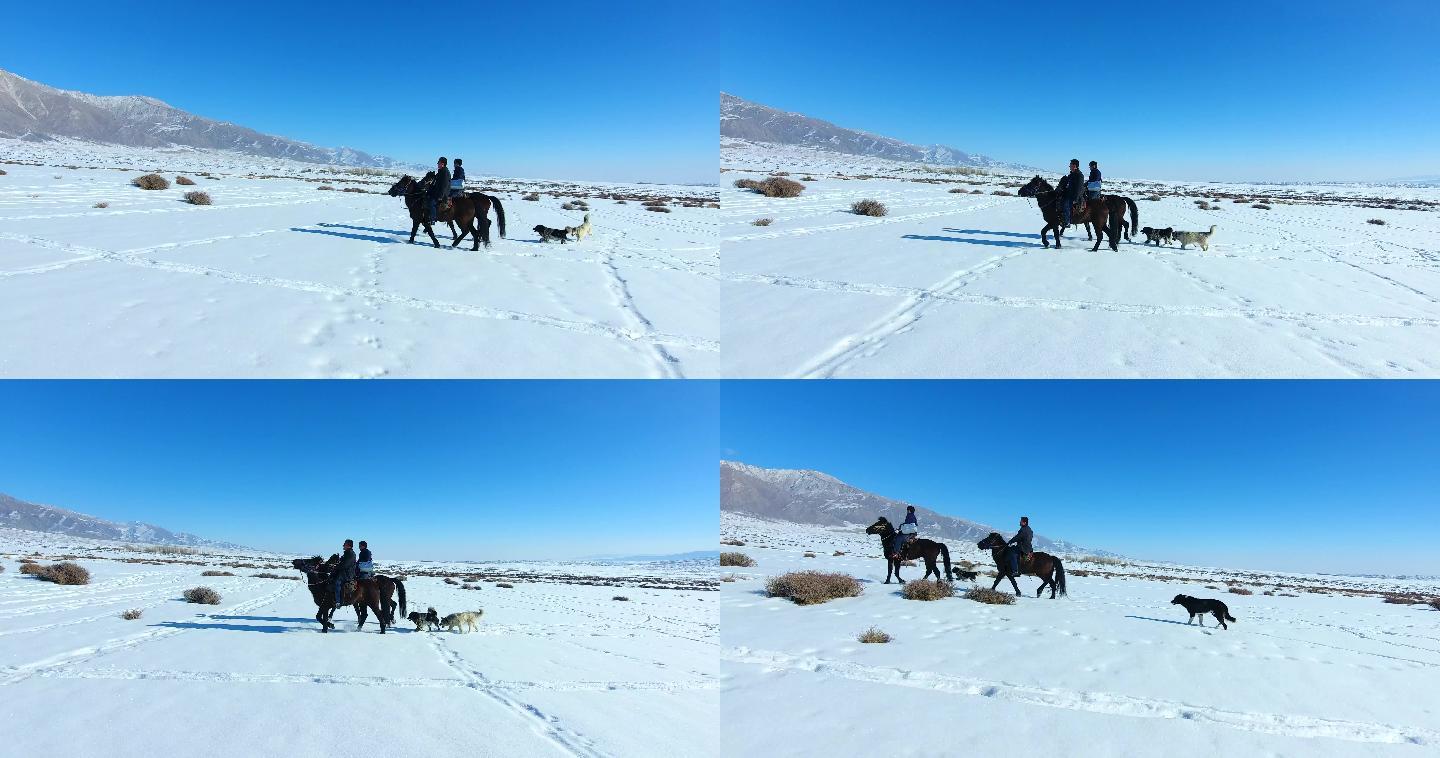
580,231
1196,238
1198,606
457,622
1166,235
547,234
428,620
960,573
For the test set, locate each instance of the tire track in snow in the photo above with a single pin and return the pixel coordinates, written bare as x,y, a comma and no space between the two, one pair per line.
1111,704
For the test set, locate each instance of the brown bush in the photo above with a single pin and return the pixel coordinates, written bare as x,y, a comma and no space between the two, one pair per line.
620,202
1261,206
202,595
2,172
837,553
354,189
325,187
736,559
533,196
65,573
807,178
991,597
196,197
185,181
621,598
132,614
959,191
1376,221
812,587
274,576
505,585
652,203
1403,599
451,580
216,573
763,221
1202,205
152,182
31,568
873,635
924,589
1435,604
774,186
1153,198
1002,193
1240,591
779,173
658,209
809,555
868,208
102,205
735,542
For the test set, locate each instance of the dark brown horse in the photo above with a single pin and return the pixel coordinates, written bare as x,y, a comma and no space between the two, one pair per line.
1125,226
376,593
465,209
1043,565
929,550
1105,214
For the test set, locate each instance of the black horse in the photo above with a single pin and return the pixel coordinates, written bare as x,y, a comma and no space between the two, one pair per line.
1043,565
929,550
375,593
465,209
1105,214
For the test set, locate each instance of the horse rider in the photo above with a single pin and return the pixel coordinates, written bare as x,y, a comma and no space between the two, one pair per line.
1092,185
365,566
908,530
457,179
1071,185
441,187
345,571
1023,542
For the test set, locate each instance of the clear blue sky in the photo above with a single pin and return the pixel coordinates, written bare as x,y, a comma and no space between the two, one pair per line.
552,89
1220,90
1310,476
437,470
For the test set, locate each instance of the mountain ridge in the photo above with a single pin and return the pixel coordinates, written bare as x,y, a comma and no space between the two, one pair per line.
36,517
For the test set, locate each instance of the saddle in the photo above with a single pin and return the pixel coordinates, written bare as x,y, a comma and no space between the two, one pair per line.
1026,559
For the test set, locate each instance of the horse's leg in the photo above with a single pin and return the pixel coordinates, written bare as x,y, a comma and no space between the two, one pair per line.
999,574
1014,584
320,616
1087,230
1099,234
431,231
1045,236
485,229
360,614
414,227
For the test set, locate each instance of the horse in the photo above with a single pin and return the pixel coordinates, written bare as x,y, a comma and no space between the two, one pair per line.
917,548
1105,213
374,593
1043,565
1125,226
465,209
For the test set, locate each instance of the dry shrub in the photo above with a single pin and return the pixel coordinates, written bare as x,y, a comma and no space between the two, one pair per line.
1403,599
533,196
196,197
216,573
102,205
868,208
185,181
977,192
325,187
837,553
620,202
1002,193
202,595
621,598
163,549
1435,604
505,585
1261,206
736,559
809,555
65,573
451,580
990,597
31,568
735,542
653,203
729,578
1240,591
924,589
152,182
1153,198
1078,572
274,576
2,172
1202,205
959,191
1376,221
779,173
1102,559
658,209
763,221
132,614
873,635
807,178
812,587
774,186
354,189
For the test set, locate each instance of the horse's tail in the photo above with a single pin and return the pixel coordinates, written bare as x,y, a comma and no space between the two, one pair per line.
499,214
1134,216
399,585
1059,575
945,554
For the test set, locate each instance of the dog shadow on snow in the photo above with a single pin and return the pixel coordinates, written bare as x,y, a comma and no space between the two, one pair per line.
1158,621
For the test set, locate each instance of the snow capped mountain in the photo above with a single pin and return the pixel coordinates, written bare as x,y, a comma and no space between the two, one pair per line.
19,514
812,497
753,122
33,111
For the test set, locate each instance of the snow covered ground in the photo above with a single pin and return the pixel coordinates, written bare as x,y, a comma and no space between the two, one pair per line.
1322,667
277,279
557,668
958,285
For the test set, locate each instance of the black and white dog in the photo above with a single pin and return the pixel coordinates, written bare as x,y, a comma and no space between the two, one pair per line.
547,234
1198,606
428,620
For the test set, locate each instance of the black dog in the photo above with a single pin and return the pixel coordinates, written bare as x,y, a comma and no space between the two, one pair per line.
547,234
1157,236
960,573
427,620
1200,606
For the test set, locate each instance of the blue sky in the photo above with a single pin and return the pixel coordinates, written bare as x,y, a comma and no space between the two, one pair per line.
569,90
1224,90
1310,476
436,470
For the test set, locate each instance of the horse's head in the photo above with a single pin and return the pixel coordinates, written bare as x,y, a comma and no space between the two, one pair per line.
401,187
881,526
1034,187
306,565
991,542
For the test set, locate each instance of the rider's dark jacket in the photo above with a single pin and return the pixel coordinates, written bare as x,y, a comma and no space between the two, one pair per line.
1095,174
1072,184
345,571
1023,538
441,187
459,173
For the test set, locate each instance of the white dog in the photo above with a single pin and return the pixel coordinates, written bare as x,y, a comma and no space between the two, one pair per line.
458,622
582,230
1196,238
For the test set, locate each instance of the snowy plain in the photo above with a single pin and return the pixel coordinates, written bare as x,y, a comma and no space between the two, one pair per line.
278,279
1321,667
557,667
959,285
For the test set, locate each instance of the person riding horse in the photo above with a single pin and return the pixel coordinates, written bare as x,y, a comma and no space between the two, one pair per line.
909,530
440,189
365,567
1071,187
1022,544
457,179
1092,185
345,571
